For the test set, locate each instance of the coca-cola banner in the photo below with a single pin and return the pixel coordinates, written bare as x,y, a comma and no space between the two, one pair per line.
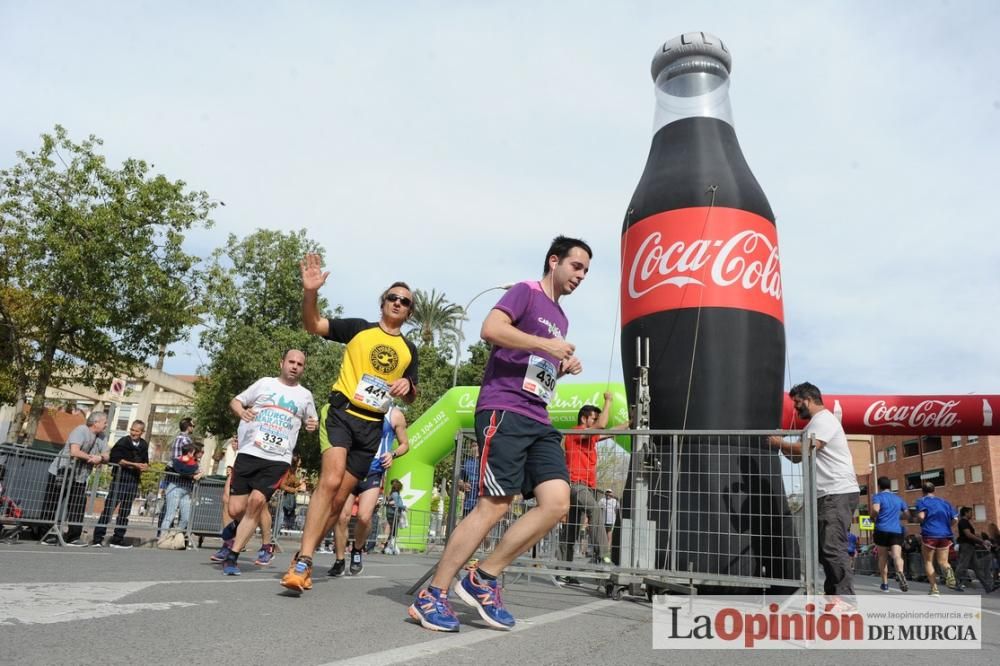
907,414
701,257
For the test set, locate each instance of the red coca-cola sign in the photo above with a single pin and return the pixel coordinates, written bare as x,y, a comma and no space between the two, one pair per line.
908,414
701,257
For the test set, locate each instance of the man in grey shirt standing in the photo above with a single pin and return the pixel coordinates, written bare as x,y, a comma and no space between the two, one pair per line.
78,457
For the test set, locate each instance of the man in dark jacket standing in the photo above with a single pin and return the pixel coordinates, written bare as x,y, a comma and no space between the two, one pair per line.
131,454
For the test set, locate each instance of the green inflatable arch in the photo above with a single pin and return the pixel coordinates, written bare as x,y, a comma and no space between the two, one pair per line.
432,437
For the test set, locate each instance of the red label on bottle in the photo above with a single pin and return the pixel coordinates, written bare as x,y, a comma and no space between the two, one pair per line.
701,257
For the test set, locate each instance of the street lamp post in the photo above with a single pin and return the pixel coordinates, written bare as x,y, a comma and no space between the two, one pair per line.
465,311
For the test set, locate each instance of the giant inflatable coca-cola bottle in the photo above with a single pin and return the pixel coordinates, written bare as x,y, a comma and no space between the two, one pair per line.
701,279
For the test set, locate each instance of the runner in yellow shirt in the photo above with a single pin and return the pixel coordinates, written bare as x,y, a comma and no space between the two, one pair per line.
379,365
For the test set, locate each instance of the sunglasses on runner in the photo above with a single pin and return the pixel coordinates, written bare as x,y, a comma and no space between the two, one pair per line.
403,300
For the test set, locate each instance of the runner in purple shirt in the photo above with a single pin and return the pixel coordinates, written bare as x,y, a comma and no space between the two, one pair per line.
519,450
522,380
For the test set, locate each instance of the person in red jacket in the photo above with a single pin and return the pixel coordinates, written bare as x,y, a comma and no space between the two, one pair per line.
581,459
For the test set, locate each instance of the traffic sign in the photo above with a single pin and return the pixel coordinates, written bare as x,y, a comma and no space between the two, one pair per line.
117,390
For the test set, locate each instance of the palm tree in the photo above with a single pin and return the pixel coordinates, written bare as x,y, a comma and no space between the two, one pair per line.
434,315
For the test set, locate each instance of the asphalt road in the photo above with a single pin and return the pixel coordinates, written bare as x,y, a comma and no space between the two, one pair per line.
67,605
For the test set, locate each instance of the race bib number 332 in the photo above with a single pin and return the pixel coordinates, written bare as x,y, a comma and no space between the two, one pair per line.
272,442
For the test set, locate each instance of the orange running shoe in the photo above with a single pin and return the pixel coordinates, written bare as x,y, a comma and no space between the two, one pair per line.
298,578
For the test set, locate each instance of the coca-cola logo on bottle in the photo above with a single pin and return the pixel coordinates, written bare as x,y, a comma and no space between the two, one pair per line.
701,257
925,414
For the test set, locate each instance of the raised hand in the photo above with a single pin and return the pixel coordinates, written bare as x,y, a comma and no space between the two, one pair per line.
313,276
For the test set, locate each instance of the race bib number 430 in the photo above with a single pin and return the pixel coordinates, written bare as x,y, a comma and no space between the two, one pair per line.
373,392
540,378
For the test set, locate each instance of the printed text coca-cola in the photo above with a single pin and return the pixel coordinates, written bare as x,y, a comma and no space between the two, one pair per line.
927,413
700,257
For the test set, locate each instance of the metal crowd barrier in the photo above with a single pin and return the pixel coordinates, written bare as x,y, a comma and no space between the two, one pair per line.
25,512
411,533
207,514
62,502
696,511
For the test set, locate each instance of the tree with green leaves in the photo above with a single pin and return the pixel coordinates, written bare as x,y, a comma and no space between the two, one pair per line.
470,372
15,317
435,319
94,277
255,281
253,302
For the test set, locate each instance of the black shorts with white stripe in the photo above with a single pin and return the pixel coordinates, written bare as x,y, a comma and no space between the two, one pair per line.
517,453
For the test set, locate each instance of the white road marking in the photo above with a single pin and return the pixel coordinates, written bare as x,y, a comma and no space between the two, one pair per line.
59,551
444,642
47,603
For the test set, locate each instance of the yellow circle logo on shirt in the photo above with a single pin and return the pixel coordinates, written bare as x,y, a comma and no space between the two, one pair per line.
384,358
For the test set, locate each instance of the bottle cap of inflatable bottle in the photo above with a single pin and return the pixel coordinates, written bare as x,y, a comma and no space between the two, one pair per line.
677,52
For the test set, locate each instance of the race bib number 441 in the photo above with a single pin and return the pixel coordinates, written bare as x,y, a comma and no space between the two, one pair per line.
373,392
540,378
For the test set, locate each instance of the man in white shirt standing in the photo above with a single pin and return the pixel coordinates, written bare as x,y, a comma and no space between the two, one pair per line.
837,488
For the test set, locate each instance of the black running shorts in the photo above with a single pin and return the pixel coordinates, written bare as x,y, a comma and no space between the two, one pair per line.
253,473
887,539
517,453
359,436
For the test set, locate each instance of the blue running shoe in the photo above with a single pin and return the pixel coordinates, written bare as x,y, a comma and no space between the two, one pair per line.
230,568
264,555
432,610
485,597
221,554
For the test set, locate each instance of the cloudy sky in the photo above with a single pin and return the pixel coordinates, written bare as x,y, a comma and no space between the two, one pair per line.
447,143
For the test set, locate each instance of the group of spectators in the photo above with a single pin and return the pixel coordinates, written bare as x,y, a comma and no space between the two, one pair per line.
86,451
170,504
